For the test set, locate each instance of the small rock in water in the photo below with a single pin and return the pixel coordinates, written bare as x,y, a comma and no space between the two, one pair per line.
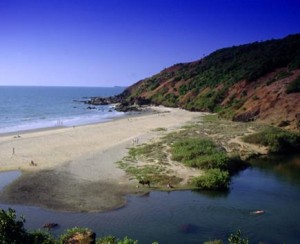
50,225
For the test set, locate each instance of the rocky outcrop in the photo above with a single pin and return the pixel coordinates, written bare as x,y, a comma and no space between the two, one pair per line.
104,100
247,116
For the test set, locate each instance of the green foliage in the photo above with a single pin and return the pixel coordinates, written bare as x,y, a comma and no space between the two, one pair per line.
213,179
114,240
147,150
70,232
278,140
170,100
41,237
11,230
282,74
294,86
183,89
127,240
237,239
199,153
218,72
107,240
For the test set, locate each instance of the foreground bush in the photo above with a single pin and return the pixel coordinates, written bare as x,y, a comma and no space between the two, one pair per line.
83,235
114,240
277,140
213,179
38,237
237,238
11,229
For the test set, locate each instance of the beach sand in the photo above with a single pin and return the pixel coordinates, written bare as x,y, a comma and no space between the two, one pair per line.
74,169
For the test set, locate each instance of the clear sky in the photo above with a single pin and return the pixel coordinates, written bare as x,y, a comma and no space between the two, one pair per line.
118,42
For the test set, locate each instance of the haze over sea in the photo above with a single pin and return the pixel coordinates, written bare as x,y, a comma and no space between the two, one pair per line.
26,108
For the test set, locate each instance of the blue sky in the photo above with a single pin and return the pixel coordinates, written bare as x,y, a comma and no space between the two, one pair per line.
118,42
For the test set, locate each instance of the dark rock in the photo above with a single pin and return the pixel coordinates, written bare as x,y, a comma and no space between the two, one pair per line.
50,225
142,101
124,108
247,116
145,182
104,100
284,123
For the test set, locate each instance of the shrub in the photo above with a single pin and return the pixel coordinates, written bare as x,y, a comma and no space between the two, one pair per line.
11,230
71,232
200,153
278,140
237,239
189,148
107,240
213,179
294,86
38,237
218,160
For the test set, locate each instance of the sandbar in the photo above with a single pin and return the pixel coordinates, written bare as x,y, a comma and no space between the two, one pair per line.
74,168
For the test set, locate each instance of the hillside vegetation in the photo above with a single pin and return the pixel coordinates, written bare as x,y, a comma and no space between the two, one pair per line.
257,81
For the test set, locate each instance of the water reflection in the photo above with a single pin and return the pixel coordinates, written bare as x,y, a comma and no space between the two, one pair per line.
285,167
213,194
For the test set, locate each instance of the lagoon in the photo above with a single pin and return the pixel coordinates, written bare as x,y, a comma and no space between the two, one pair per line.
194,217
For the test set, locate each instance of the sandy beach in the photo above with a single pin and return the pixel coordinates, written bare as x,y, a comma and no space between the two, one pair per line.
74,168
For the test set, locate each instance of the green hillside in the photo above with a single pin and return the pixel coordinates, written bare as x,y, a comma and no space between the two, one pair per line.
206,84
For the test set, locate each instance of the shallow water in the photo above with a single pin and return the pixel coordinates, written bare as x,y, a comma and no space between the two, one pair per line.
8,177
193,217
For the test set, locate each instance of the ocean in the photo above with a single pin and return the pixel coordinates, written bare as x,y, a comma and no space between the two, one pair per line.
28,108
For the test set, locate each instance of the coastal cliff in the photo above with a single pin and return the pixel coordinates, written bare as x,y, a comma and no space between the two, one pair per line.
253,82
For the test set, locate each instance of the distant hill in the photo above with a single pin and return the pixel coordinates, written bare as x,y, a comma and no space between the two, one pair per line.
257,81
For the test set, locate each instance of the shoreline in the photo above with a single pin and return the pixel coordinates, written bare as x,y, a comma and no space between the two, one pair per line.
146,111
75,168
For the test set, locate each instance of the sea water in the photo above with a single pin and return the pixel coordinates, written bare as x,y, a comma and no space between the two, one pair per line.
27,108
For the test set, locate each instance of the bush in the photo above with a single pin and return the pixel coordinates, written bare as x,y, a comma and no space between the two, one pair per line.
294,86
38,237
213,179
71,232
237,239
11,230
200,153
277,140
189,148
218,160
